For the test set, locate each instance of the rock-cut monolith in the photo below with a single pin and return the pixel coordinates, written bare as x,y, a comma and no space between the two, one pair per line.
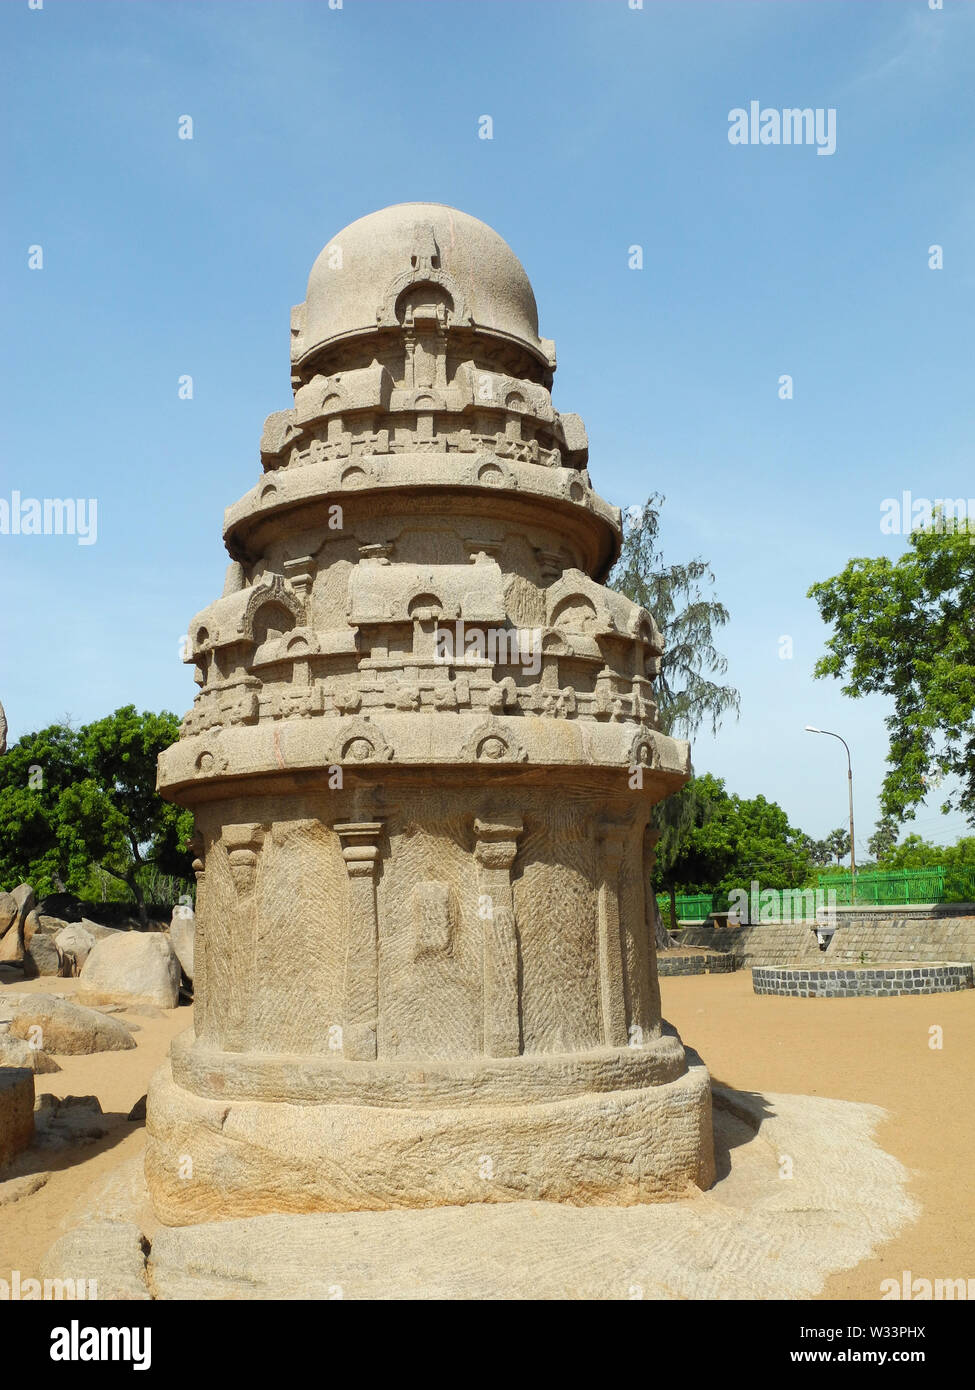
422,762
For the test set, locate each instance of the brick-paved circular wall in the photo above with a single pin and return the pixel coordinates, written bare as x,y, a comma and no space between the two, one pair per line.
854,981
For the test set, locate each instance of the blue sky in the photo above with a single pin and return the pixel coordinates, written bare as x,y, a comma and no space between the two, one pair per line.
164,257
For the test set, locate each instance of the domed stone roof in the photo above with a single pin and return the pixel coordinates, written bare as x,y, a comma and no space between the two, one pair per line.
362,279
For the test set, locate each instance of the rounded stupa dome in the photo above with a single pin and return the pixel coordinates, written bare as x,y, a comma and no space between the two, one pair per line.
367,272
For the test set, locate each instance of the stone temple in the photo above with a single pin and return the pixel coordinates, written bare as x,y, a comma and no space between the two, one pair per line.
422,761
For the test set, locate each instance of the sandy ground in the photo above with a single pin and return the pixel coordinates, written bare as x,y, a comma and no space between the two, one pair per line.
29,1226
871,1050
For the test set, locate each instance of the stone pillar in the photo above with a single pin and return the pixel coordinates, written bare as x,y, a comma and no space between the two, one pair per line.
612,996
242,843
301,572
650,838
497,845
198,851
360,850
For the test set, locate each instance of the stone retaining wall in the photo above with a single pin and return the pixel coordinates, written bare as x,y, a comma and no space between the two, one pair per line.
782,944
714,963
942,938
914,934
849,983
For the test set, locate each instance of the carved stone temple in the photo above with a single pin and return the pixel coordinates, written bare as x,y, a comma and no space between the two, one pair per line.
422,760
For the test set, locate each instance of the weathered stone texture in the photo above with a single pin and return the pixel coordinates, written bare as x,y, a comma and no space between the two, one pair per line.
138,967
16,1111
65,1028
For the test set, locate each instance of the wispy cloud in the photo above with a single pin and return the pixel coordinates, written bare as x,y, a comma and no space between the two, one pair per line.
921,47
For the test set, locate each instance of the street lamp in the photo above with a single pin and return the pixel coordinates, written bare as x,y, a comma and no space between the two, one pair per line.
811,729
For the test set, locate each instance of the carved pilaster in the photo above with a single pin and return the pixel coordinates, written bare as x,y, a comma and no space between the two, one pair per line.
650,838
243,843
494,852
301,572
612,996
360,850
198,851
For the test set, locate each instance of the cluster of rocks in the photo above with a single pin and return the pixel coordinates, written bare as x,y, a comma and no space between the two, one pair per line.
33,1028
119,970
116,969
148,967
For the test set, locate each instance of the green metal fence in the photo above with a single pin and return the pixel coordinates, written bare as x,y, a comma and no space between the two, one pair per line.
875,887
689,905
901,887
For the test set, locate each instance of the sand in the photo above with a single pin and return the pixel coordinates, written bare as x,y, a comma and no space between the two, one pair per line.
29,1226
866,1050
873,1050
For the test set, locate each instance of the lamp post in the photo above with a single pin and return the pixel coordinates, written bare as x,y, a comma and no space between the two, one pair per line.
811,729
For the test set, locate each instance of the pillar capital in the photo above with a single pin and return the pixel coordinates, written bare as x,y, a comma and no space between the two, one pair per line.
494,853
360,846
612,837
360,850
497,841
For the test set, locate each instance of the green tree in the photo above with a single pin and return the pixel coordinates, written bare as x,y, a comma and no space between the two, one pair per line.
914,852
904,629
32,773
71,799
738,840
883,840
838,844
680,599
676,818
817,851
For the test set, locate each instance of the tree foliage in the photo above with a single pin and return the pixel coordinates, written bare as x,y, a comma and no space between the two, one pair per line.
837,843
817,851
71,799
733,841
914,852
904,629
883,840
679,597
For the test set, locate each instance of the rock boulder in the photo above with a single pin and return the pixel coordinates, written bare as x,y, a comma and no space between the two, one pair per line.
16,1111
74,942
9,912
12,946
182,932
138,967
55,1025
12,936
42,956
15,1052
